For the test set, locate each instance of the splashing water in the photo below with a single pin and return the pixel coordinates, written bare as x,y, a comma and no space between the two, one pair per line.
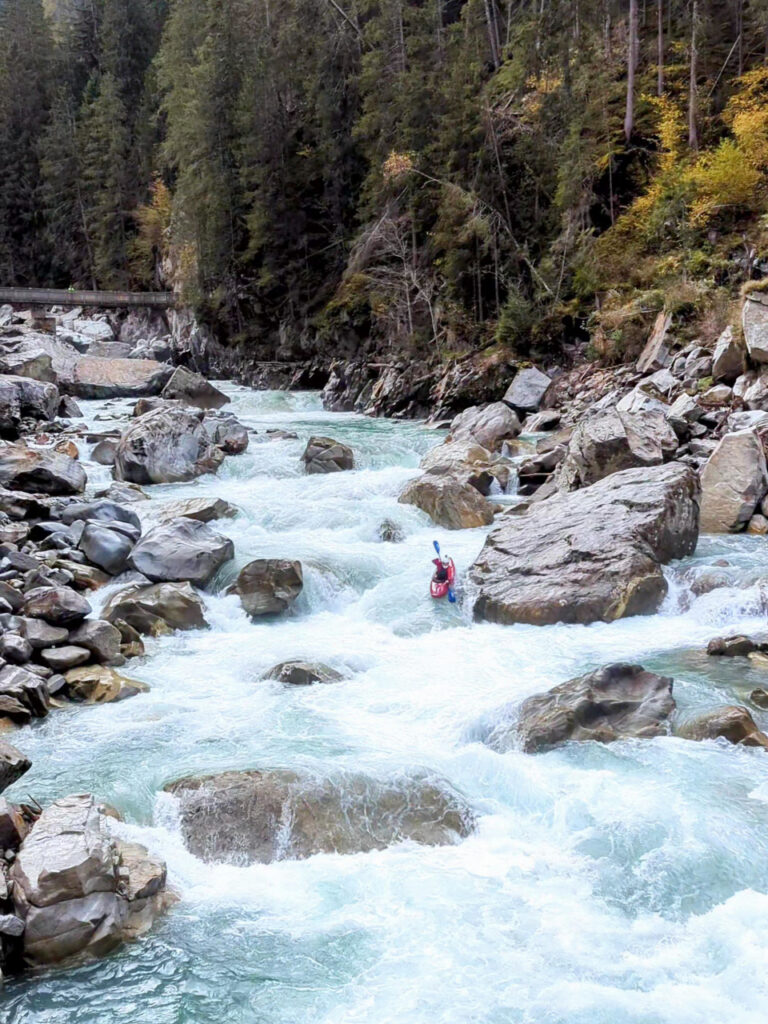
622,884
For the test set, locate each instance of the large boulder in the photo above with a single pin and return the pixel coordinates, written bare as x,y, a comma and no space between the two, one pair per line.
732,723
591,554
37,399
264,816
100,638
28,361
527,390
166,445
733,483
118,378
58,606
182,550
269,586
486,425
78,890
13,764
608,443
324,455
193,389
303,673
102,510
611,703
468,462
755,323
656,354
98,684
729,359
40,472
227,433
158,609
448,502
106,547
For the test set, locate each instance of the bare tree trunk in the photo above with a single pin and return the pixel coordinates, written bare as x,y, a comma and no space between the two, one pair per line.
660,50
493,38
693,134
740,37
629,119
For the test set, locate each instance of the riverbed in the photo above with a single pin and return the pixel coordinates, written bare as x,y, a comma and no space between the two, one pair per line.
622,884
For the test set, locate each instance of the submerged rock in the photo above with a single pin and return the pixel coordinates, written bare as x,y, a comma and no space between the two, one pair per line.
303,673
182,550
167,445
611,703
324,455
264,816
269,586
158,609
732,723
592,554
78,891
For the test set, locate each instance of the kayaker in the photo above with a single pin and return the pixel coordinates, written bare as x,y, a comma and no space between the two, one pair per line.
441,568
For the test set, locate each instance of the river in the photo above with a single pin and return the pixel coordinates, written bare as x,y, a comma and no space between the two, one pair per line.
622,884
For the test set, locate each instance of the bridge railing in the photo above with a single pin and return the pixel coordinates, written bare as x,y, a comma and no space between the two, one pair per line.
105,300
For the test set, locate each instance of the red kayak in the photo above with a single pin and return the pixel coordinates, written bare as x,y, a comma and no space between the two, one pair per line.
440,588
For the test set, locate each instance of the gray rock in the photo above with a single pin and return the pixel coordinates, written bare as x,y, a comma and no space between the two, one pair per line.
36,399
487,425
105,547
613,441
76,890
734,646
324,455
100,638
182,550
227,433
123,493
592,554
448,502
60,659
265,816
656,354
27,687
69,409
611,703
682,413
94,377
59,606
40,472
167,445
158,609
105,452
527,390
193,389
733,482
729,359
269,586
204,510
755,324
103,511
15,649
13,764
40,634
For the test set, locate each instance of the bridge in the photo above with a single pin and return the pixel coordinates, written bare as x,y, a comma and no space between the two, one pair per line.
104,300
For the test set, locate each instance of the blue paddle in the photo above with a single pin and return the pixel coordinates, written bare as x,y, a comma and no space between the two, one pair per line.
451,594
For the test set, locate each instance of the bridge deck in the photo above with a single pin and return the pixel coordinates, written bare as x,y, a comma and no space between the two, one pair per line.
106,300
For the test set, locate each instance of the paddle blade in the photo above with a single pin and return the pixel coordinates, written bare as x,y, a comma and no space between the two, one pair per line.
451,597
437,547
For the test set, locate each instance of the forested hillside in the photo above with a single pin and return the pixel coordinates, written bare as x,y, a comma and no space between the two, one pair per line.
441,176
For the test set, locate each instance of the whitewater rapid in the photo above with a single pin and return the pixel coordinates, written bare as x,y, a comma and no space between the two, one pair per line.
622,884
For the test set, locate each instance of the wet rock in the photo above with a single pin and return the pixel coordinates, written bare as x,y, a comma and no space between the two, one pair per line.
60,659
611,703
448,502
755,324
390,532
100,638
734,646
40,472
204,510
193,389
15,649
74,891
98,684
527,390
264,816
106,548
733,482
168,445
591,554
324,455
69,409
732,723
157,610
303,673
13,764
227,433
468,463
122,493
758,525
269,586
36,399
656,354
26,686
488,425
105,452
613,441
182,550
118,378
40,634
759,697
13,828
59,606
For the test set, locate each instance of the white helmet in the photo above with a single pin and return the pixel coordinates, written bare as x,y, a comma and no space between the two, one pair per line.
446,560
